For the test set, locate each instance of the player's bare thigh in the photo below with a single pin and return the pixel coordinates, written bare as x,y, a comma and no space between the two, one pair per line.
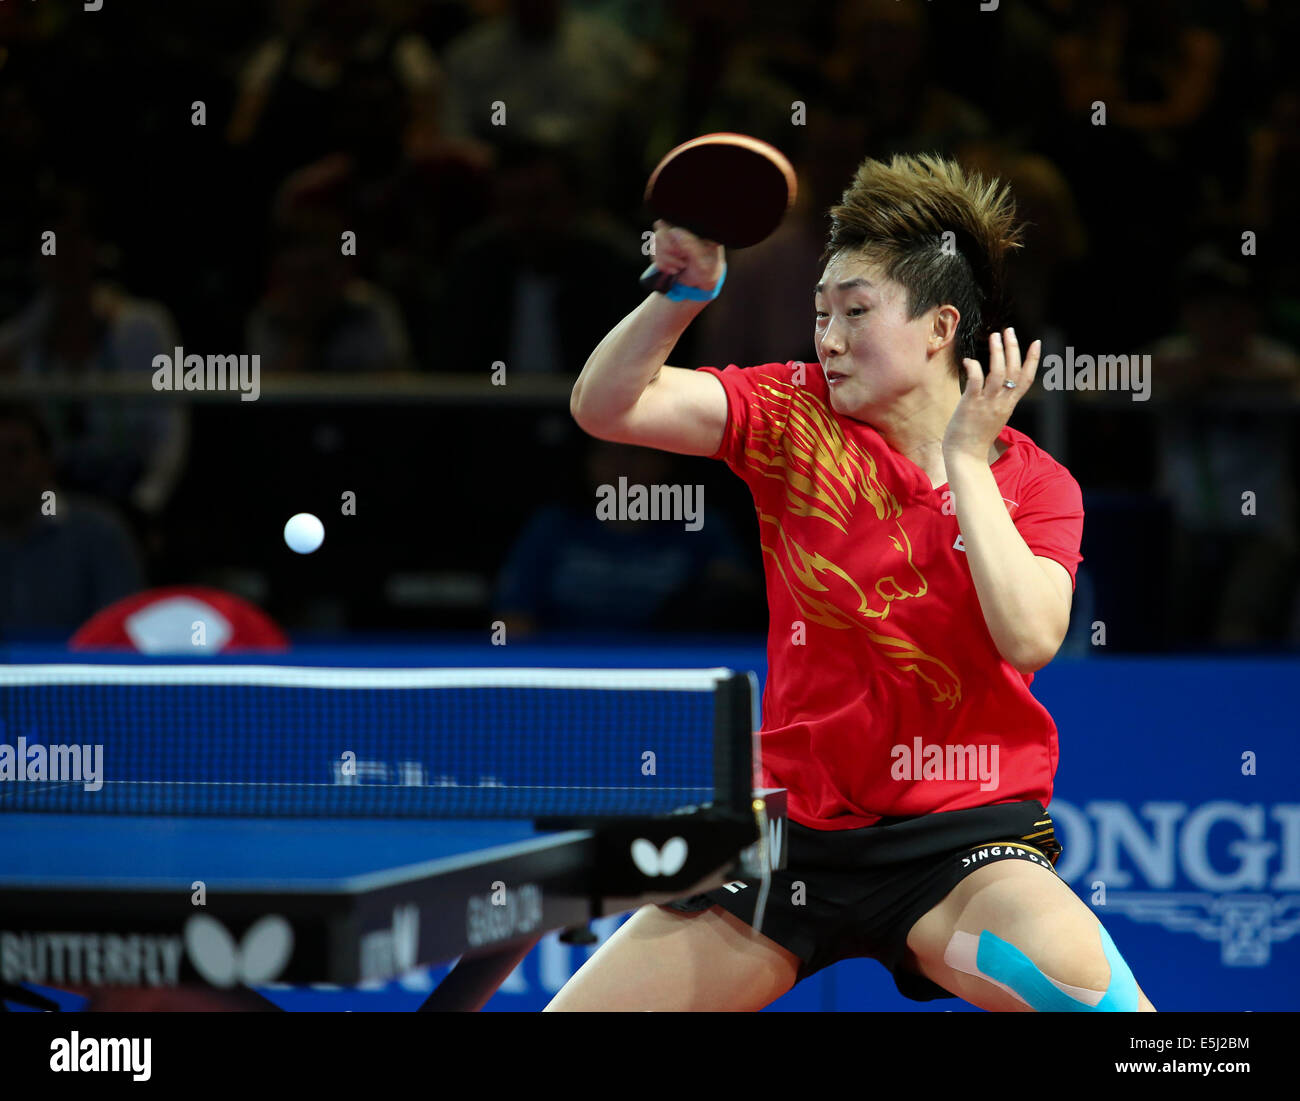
1027,906
669,961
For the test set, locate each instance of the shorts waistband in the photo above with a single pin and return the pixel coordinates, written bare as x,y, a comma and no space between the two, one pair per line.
1025,823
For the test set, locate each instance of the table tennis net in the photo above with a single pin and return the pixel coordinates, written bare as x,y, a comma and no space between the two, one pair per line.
439,743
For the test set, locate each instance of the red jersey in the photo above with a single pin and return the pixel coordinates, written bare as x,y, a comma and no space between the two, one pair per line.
884,686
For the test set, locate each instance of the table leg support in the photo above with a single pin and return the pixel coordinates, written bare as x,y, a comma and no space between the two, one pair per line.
473,981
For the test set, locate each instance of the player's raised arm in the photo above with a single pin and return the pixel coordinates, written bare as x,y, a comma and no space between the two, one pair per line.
626,393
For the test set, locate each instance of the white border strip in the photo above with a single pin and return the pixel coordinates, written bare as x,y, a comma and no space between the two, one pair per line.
288,676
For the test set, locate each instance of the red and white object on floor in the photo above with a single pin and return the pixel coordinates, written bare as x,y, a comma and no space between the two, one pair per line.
182,619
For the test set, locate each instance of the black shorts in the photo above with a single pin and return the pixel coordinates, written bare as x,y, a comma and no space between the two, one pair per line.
864,889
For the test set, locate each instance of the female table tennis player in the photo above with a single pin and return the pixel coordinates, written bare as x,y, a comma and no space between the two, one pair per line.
920,558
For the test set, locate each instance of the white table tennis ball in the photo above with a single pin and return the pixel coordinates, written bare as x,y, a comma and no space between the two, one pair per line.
304,533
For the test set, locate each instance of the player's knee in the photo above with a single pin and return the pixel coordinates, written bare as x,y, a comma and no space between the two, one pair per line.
1084,980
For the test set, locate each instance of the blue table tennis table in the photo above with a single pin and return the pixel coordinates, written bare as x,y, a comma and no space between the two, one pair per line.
90,900
224,845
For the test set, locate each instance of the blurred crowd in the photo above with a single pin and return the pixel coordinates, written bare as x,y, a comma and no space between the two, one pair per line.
489,156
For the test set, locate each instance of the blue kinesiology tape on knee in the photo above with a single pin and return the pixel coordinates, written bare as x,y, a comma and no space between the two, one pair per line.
1007,964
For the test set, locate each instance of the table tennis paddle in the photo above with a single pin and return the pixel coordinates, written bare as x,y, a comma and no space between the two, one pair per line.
727,188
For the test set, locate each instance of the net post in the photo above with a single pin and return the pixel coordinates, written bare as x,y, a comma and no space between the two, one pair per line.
733,742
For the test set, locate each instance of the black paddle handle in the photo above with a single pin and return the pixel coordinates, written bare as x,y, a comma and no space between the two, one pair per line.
652,280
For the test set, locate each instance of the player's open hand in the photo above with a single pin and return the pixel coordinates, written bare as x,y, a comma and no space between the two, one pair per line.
694,261
988,399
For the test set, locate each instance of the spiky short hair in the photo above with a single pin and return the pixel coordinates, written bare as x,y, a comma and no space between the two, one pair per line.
897,215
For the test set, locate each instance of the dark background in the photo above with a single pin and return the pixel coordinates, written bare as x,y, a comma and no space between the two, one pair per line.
377,117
